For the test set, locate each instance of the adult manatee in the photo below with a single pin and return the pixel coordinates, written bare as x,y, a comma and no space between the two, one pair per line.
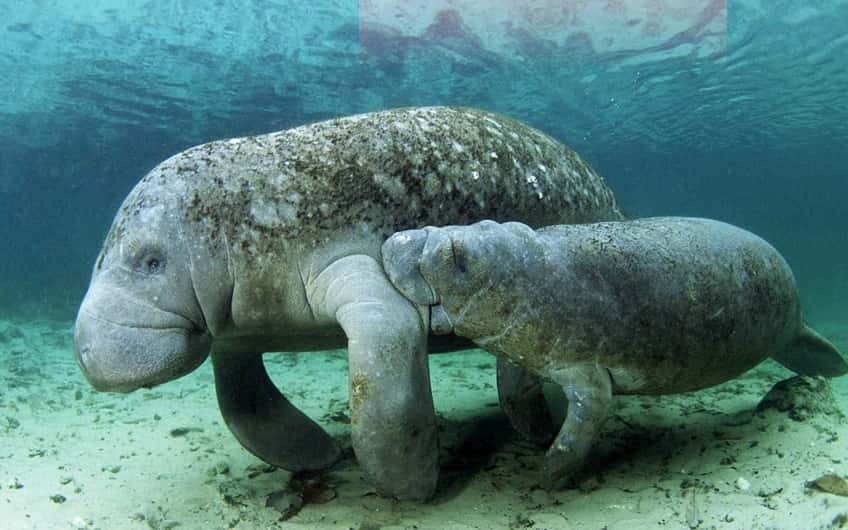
272,243
652,306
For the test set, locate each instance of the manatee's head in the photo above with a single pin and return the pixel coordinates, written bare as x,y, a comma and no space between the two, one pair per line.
140,323
450,267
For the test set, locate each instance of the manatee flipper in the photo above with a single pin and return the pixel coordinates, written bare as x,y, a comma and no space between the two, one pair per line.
588,389
811,354
393,421
523,401
264,421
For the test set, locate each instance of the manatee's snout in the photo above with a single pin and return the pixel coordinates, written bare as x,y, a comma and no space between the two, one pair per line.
401,259
426,264
422,266
136,345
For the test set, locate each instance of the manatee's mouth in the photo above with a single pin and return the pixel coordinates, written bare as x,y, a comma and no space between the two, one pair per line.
120,356
178,322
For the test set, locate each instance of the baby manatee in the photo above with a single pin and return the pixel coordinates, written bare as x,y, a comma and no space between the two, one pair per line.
652,306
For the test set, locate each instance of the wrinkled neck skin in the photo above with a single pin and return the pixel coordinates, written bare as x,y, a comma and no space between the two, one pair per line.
266,306
212,282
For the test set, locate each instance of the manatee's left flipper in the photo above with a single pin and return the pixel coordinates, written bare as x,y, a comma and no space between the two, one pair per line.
393,421
523,401
264,421
588,389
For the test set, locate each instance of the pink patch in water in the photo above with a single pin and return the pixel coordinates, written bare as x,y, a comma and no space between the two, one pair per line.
610,28
448,25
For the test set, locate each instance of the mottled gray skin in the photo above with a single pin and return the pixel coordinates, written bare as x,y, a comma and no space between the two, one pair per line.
651,306
272,243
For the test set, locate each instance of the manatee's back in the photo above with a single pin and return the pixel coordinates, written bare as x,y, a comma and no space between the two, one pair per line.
373,174
672,304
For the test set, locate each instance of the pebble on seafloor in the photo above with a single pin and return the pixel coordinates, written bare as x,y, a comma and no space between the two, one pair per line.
801,398
742,484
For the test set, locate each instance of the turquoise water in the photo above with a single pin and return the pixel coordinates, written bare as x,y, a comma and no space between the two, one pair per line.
734,110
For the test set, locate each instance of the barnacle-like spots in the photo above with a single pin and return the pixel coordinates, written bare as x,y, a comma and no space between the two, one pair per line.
386,171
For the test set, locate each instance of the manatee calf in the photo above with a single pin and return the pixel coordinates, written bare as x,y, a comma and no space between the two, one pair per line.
651,306
272,243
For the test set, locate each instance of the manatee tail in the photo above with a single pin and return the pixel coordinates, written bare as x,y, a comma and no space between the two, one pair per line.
811,354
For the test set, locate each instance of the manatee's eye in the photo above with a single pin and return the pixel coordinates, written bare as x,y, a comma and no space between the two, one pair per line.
148,260
153,264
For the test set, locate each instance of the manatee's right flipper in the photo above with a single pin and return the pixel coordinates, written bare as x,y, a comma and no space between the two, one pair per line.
811,354
392,418
588,389
523,401
264,421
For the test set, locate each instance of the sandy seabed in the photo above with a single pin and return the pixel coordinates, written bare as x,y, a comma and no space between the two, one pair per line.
74,458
